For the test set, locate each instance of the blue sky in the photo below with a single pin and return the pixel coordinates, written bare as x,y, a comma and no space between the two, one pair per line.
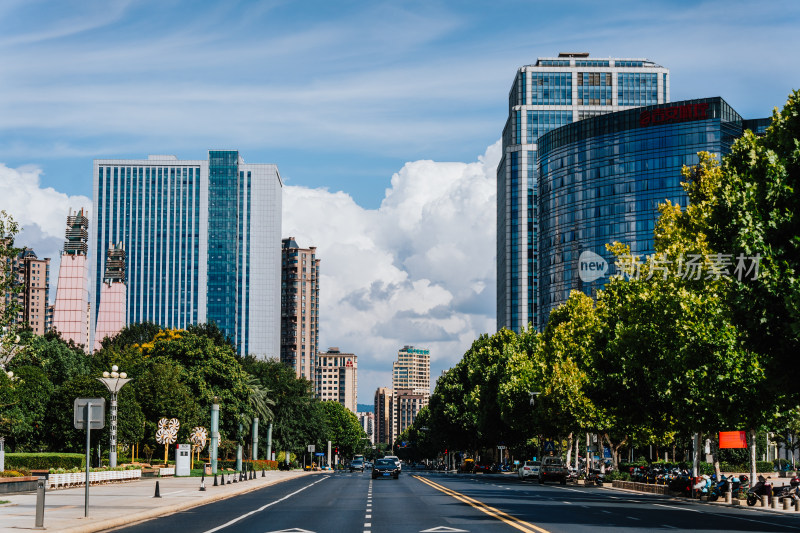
355,102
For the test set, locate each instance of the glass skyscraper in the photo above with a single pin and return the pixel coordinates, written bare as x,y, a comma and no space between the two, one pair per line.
601,181
203,242
544,96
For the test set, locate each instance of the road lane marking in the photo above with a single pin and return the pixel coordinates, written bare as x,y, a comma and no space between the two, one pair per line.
251,513
674,507
513,521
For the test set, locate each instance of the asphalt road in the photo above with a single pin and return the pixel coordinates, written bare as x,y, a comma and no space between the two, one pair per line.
437,502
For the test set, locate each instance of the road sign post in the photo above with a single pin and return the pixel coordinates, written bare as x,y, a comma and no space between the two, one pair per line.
89,413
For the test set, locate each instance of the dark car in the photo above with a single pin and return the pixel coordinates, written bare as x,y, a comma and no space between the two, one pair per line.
357,464
385,468
482,468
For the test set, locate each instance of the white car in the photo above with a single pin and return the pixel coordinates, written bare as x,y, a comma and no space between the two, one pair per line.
396,460
529,469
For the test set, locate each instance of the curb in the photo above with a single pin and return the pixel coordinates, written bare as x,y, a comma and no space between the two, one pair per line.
111,523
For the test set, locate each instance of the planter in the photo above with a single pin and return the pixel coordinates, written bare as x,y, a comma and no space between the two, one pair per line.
13,485
580,481
166,471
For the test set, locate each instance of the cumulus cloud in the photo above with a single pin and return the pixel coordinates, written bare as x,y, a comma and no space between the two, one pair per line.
418,270
40,211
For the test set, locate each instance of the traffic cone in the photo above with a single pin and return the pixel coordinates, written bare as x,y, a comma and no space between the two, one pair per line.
203,483
263,473
158,492
215,481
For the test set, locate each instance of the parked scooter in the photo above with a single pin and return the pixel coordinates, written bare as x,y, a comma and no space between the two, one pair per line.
763,487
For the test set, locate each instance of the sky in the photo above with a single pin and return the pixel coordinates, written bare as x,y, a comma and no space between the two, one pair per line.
384,119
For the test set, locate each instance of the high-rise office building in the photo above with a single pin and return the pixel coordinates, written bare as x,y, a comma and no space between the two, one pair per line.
299,308
113,296
601,181
337,378
71,308
202,239
384,416
33,276
412,370
551,93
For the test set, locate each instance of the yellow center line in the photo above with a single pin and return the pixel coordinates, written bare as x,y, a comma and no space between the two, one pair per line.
487,509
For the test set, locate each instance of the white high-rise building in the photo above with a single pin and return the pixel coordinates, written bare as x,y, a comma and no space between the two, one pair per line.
203,243
544,96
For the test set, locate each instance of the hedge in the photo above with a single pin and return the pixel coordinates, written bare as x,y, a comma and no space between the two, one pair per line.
44,461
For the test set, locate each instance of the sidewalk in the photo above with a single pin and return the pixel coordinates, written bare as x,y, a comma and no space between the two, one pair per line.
114,505
736,504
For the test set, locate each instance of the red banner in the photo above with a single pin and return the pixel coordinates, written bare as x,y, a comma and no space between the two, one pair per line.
732,439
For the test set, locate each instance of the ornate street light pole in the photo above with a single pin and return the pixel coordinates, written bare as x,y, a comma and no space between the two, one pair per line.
113,381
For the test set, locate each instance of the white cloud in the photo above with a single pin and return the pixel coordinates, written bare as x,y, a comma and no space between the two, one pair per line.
40,212
418,270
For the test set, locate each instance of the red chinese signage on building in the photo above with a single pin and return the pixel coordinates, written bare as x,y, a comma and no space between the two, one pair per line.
732,439
681,113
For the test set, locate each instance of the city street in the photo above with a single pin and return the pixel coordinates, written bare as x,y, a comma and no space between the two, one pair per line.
436,502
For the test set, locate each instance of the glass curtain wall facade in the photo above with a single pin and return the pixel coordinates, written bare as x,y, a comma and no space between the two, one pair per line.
601,181
202,240
545,96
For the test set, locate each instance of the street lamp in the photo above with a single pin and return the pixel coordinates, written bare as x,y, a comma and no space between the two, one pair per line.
113,381
534,394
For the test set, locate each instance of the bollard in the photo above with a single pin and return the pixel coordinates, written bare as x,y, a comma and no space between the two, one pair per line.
158,491
797,505
764,501
786,502
40,489
774,503
263,473
234,476
215,481
203,483
728,497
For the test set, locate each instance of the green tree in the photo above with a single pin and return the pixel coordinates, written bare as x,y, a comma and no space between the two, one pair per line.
297,419
61,361
8,283
754,209
33,391
342,429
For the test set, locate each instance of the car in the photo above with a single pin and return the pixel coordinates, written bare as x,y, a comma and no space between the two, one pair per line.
357,464
385,468
553,468
396,460
368,464
482,468
529,469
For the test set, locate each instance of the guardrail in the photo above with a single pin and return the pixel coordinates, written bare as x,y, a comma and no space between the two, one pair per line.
78,479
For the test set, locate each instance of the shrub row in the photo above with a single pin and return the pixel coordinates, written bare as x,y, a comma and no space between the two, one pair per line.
14,473
44,461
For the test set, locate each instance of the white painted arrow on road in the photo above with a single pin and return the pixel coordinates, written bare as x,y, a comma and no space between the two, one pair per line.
443,529
293,530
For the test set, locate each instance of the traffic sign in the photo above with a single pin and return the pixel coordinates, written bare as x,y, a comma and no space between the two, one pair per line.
549,446
97,413
311,447
319,454
501,447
